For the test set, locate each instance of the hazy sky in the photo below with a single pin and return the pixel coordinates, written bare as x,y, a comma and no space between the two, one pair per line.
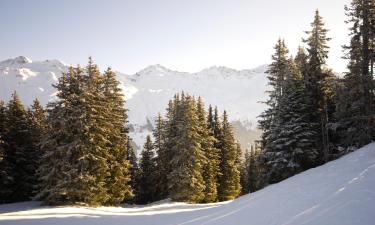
184,35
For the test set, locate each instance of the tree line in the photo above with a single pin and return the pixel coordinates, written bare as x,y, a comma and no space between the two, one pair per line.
78,151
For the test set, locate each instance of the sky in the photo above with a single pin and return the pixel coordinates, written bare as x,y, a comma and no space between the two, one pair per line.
183,35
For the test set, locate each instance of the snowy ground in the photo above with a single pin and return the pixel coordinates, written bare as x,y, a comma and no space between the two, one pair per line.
341,192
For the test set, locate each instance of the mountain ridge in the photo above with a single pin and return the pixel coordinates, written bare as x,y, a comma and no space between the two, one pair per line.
148,91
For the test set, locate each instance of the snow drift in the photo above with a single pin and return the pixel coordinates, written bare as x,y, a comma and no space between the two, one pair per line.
341,192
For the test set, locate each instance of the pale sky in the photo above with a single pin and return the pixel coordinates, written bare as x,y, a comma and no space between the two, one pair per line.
184,35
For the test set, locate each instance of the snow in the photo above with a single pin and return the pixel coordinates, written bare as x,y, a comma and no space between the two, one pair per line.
338,193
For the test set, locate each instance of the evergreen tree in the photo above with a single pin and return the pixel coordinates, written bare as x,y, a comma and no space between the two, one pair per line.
37,129
253,172
244,173
356,106
314,80
162,159
301,61
229,181
118,183
294,147
211,166
85,160
250,172
277,70
146,191
185,179
18,165
131,158
5,178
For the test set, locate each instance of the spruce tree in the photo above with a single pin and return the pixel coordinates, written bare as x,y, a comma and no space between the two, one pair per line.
250,172
131,158
118,182
185,179
38,128
211,166
162,159
85,160
356,106
269,119
244,172
146,184
229,181
314,79
5,178
19,157
294,147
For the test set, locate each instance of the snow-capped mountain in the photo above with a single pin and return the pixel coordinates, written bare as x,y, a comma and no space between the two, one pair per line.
148,91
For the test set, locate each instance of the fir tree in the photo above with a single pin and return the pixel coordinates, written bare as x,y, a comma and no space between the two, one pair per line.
244,173
314,79
131,158
162,159
19,157
250,173
118,183
5,178
277,70
356,110
146,191
211,166
37,128
229,181
85,151
185,179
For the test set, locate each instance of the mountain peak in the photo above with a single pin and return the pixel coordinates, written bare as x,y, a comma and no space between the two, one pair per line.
154,69
17,60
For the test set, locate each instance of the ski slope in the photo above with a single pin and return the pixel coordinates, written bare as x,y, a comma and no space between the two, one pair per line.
341,192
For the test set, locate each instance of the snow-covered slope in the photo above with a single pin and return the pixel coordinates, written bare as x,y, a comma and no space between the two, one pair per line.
339,193
148,91
29,79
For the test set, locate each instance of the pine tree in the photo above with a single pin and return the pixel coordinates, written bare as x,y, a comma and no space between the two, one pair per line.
277,70
253,172
244,173
131,158
185,179
85,160
162,159
118,183
38,128
269,121
356,109
19,157
211,166
301,61
229,181
250,173
294,147
146,182
314,80
5,178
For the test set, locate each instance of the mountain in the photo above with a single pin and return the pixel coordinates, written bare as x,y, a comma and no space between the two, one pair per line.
340,192
148,91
